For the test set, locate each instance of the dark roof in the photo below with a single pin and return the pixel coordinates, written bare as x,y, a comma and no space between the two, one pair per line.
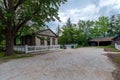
102,39
116,37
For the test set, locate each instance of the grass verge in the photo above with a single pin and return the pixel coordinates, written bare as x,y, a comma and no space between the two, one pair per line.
116,60
16,55
109,48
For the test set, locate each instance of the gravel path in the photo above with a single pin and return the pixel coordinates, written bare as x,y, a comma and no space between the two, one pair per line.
70,64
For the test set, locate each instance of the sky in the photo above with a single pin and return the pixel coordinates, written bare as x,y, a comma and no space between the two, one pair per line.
85,10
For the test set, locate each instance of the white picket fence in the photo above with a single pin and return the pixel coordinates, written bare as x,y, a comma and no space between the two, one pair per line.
117,46
28,49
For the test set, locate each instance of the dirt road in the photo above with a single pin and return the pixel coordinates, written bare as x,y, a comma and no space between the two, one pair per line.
70,64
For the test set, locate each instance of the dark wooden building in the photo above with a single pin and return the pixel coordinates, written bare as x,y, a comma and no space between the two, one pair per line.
101,41
116,40
104,41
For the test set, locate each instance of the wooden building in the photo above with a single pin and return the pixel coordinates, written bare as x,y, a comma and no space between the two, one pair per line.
116,40
104,41
40,38
101,41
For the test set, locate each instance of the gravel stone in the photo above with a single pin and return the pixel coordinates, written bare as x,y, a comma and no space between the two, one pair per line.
69,64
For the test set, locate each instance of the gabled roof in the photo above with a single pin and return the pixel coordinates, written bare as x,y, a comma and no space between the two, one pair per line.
116,37
47,32
102,39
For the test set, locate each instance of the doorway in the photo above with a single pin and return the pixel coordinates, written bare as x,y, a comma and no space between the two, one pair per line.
48,41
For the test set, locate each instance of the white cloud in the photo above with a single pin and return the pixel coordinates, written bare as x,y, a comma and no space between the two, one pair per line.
63,16
90,11
114,3
87,10
104,3
117,4
109,7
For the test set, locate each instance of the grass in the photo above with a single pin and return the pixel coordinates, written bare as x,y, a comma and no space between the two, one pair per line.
117,60
115,50
110,48
2,54
16,55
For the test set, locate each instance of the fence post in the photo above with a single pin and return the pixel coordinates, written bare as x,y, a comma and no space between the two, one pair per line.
35,48
26,48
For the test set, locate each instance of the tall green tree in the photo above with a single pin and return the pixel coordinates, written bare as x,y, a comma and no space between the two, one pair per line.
67,36
117,27
85,27
75,33
100,28
112,25
69,23
68,33
58,30
14,14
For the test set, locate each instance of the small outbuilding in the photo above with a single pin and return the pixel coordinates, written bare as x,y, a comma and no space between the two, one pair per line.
104,41
101,41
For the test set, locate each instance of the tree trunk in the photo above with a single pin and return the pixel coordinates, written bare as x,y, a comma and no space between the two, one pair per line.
9,42
15,41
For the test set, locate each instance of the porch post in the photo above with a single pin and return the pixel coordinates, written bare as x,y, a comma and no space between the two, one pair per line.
98,43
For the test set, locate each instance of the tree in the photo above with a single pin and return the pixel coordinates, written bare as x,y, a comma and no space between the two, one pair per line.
68,33
103,22
117,27
100,28
58,30
68,23
14,14
84,31
112,24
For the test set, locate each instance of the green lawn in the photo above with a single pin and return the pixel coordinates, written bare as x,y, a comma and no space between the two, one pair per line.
117,60
16,55
1,54
111,48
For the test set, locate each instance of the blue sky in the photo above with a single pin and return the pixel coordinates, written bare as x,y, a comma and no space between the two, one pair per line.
85,10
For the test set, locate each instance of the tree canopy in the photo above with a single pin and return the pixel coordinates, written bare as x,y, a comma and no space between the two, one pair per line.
83,31
17,14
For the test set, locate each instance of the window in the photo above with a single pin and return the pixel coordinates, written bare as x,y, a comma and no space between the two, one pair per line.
53,41
26,40
41,41
48,40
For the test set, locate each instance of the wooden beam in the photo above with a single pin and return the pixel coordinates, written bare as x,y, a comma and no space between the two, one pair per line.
98,43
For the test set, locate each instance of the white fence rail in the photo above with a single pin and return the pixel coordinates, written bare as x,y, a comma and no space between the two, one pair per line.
28,49
117,46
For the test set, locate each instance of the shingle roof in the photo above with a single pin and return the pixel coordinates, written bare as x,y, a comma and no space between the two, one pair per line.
102,39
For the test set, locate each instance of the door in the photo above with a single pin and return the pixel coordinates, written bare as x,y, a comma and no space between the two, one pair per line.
48,41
